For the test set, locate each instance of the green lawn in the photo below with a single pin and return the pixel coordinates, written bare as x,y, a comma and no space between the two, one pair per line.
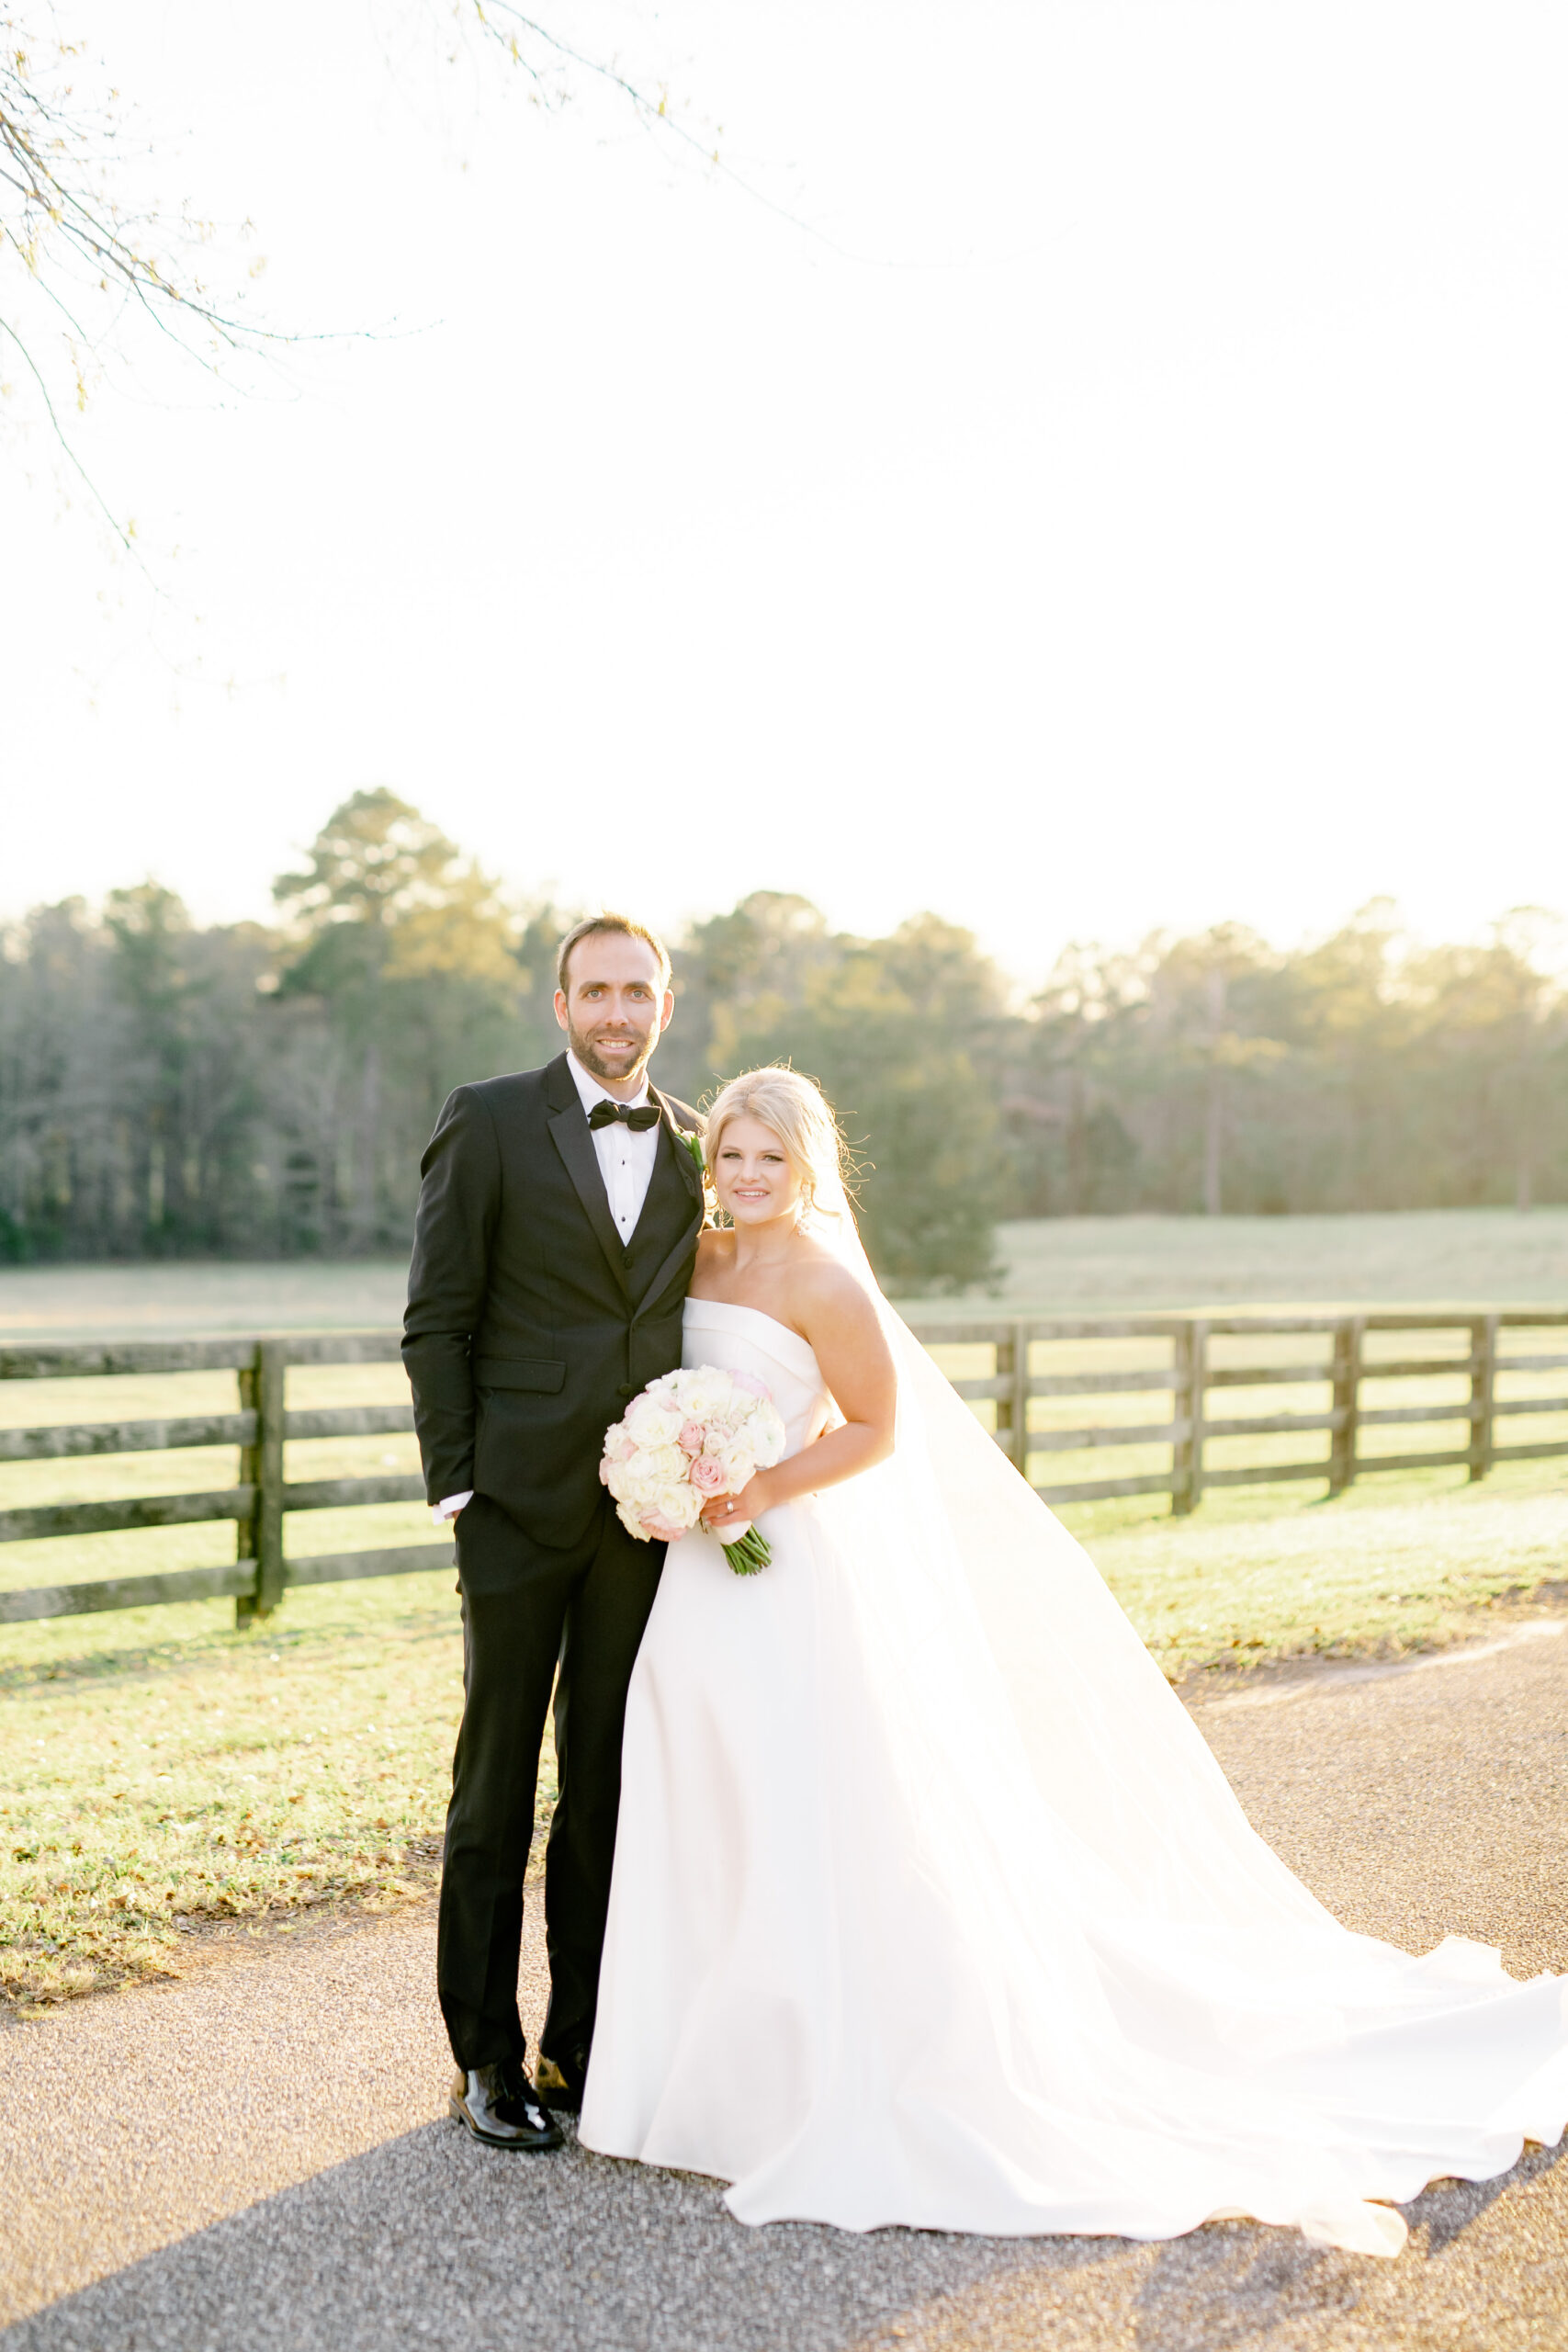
162,1770
1394,1565
172,1300
1078,1264
1094,1265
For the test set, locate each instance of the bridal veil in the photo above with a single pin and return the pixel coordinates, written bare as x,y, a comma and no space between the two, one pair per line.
1069,1807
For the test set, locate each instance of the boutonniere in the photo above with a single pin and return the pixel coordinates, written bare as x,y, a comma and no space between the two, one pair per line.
694,1144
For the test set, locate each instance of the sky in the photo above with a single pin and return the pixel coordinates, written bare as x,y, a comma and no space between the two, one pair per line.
1080,466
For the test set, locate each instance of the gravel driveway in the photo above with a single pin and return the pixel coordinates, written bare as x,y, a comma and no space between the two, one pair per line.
257,2157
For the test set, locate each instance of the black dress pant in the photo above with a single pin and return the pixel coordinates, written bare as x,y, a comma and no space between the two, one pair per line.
527,1608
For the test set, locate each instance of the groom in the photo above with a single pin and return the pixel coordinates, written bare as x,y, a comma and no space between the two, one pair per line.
556,1233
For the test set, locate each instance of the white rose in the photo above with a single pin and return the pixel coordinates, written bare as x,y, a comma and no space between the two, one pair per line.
680,1504
766,1432
705,1393
662,1464
654,1422
739,1459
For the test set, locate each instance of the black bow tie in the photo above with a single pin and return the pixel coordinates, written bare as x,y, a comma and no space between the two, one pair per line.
605,1114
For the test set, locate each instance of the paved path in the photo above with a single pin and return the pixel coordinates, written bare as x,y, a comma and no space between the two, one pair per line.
257,2157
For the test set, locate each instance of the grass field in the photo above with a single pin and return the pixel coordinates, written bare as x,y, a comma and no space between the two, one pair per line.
162,1771
1092,1264
1438,1257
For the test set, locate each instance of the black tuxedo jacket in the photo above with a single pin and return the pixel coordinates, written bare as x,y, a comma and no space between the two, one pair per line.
528,1325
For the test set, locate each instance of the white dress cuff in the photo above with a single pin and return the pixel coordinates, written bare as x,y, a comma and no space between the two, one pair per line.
449,1507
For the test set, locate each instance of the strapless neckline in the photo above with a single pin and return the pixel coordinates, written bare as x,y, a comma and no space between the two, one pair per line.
796,1344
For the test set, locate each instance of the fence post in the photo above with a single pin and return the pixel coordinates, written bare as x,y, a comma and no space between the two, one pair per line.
1004,1408
250,1475
1346,1378
1189,1348
262,1466
1483,1381
1021,1397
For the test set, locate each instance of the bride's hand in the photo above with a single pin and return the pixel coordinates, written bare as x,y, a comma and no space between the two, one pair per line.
728,1516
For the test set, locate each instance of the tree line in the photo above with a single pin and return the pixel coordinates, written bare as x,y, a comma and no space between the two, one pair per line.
256,1089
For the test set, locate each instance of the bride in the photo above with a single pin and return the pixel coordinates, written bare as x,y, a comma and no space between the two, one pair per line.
929,1903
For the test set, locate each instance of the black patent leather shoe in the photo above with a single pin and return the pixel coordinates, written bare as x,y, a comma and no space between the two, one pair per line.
558,2082
498,2106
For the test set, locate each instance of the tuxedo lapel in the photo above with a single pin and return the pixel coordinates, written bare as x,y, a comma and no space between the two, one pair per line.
665,1273
684,1159
569,1134
680,1256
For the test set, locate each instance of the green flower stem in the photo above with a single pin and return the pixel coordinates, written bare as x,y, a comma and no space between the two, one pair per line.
752,1551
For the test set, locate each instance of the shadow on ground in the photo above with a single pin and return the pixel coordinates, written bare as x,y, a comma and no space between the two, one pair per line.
1414,1804
432,2239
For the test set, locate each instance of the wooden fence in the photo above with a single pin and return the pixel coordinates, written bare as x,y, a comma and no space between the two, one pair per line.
258,1504
1189,1377
262,1424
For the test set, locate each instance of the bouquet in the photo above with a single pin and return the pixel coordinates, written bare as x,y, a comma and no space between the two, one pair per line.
690,1436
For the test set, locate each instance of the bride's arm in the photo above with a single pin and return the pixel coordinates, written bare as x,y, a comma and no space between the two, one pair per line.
839,1320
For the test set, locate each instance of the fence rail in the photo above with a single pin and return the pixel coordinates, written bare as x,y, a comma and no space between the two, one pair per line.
257,1505
263,1497
1189,1377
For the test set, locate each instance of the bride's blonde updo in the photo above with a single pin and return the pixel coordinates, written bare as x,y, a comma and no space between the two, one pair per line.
800,1116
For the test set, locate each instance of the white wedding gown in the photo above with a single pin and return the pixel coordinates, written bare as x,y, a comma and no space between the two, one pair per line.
931,1906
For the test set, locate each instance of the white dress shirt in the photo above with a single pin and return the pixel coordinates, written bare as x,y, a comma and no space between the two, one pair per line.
625,1153
626,1163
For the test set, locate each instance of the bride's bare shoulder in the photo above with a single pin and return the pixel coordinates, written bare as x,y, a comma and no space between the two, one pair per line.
715,1253
825,1292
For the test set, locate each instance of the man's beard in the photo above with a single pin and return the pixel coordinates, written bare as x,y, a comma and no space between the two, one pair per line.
595,1063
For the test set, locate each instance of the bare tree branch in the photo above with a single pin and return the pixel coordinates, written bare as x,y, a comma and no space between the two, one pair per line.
119,529
87,271
512,30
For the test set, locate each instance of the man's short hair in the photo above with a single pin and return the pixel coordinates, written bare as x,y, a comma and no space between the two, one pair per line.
627,930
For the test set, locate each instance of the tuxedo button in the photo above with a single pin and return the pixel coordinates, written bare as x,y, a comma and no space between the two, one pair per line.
625,1389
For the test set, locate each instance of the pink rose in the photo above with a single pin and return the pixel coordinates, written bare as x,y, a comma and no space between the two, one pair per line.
709,1474
660,1528
691,1438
